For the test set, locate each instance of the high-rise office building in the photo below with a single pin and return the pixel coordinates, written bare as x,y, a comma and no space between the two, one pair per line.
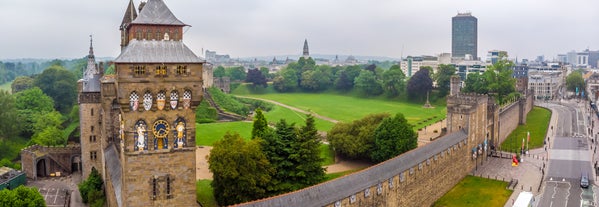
464,36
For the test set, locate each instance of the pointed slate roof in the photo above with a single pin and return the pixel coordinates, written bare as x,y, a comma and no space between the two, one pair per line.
157,51
156,12
130,14
91,75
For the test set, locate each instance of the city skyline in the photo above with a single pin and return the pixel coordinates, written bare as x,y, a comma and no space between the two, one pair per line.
42,29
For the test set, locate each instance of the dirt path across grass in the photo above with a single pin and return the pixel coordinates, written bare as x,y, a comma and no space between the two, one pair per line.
292,108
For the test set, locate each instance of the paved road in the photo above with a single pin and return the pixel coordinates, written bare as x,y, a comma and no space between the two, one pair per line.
569,158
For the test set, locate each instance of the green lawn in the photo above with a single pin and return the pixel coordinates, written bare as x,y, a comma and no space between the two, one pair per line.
6,86
327,154
279,112
537,122
205,194
347,108
207,134
476,191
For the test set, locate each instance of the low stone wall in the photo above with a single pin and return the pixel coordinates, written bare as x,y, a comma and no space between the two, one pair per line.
415,178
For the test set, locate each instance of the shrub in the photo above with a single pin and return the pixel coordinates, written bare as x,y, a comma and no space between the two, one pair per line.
227,102
206,113
91,189
254,104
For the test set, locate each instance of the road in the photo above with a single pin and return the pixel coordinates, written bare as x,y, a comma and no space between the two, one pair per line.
569,158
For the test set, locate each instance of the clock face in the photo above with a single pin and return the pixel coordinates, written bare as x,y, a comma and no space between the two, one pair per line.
161,128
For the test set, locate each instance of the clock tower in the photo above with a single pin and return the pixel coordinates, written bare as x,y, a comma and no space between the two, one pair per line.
148,111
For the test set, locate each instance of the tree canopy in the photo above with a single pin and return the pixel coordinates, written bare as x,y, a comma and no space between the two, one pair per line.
21,83
443,78
256,77
367,84
91,189
393,137
240,170
355,140
260,125
9,123
419,84
22,196
59,84
574,80
496,81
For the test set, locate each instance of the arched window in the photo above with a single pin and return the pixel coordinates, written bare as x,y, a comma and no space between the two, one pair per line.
149,34
141,136
180,133
147,101
160,100
138,34
174,99
133,101
187,99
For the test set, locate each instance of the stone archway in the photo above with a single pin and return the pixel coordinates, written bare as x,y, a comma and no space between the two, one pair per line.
41,168
75,163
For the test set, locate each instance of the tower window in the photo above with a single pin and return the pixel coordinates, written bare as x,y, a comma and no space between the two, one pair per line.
93,155
154,188
176,37
182,70
168,187
92,112
160,70
139,70
158,34
92,128
149,34
138,34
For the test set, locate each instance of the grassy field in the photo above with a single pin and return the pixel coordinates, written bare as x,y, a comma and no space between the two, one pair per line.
291,116
476,191
348,108
205,194
328,154
6,86
207,134
537,122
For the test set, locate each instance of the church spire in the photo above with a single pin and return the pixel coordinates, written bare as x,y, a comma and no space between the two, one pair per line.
91,75
306,51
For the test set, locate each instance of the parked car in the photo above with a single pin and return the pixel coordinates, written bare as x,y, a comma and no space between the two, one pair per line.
584,180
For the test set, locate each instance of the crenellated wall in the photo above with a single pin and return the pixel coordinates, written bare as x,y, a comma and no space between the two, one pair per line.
514,114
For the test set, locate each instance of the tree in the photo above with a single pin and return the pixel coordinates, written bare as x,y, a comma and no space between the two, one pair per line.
34,99
240,170
307,156
286,81
266,73
91,188
277,148
48,119
443,78
59,84
496,81
393,137
394,82
367,84
355,140
574,80
431,72
256,77
50,136
236,73
22,196
343,82
9,123
419,84
219,72
260,127
21,83
475,83
309,81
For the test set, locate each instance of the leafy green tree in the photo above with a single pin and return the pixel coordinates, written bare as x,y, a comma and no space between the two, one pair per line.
355,140
266,73
21,83
353,71
32,107
393,137
394,81
91,188
240,170
9,123
286,81
236,73
49,136
307,156
22,196
260,127
443,78
367,84
219,72
49,119
574,80
256,77
309,81
343,83
419,84
475,83
59,84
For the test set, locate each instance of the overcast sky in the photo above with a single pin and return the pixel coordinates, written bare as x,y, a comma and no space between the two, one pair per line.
241,28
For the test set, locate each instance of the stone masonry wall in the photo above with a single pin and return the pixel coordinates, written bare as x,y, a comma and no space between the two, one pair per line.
141,168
